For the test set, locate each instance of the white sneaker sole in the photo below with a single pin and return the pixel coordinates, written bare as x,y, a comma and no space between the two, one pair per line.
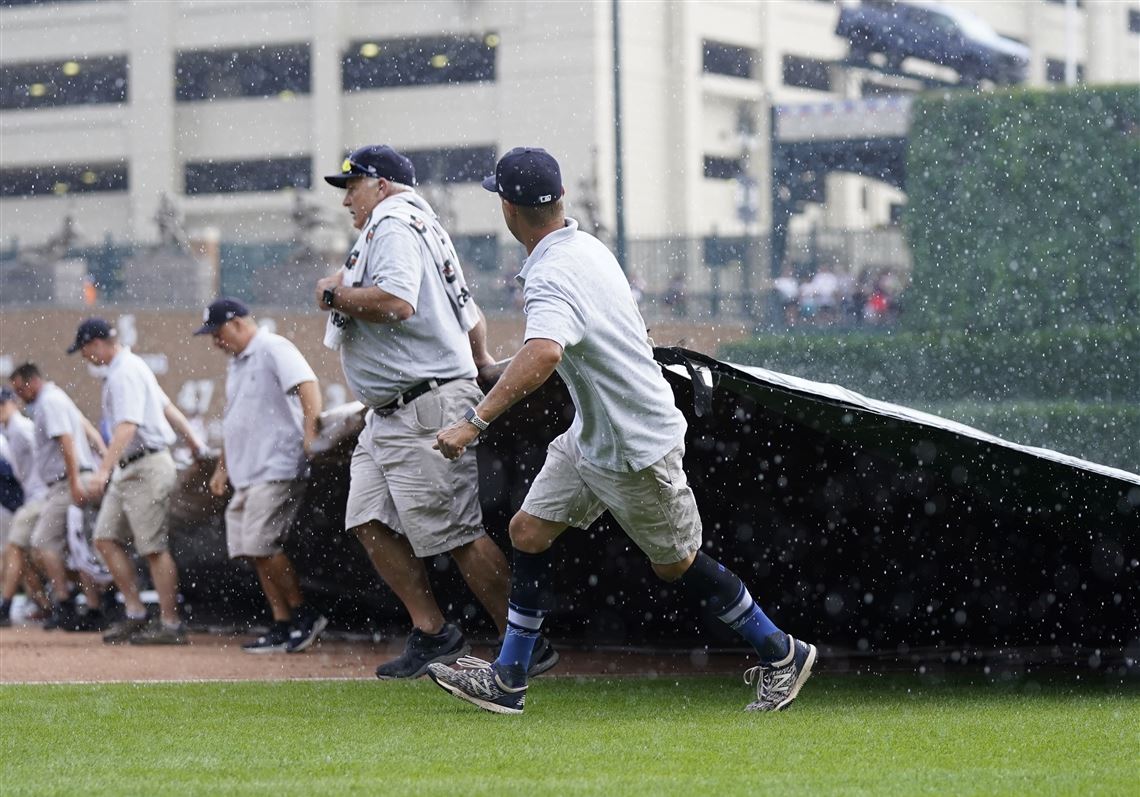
266,649
486,705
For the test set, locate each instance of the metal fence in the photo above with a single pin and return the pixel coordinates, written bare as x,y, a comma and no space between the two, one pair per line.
711,278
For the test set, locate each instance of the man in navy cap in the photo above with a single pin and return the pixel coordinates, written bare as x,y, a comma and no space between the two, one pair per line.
273,407
135,479
412,342
623,452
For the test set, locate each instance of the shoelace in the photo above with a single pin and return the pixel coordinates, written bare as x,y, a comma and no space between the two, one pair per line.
473,662
763,677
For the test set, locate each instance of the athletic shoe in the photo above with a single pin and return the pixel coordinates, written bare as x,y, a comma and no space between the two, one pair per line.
275,640
122,631
542,658
422,650
88,621
778,683
307,626
63,615
479,683
159,633
5,613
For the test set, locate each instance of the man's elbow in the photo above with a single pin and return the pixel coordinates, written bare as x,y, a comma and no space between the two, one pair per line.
550,354
402,311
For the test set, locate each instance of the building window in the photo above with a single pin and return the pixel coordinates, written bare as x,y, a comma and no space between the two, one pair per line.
728,59
265,71
721,168
419,62
230,177
452,164
1055,71
807,73
1133,21
82,81
62,179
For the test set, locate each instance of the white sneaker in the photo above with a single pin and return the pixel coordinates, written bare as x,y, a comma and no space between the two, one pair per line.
778,683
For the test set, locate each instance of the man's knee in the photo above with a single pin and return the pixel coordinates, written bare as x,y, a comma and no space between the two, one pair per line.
672,572
531,534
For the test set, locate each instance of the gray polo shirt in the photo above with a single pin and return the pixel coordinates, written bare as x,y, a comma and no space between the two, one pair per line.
20,432
131,395
382,360
574,293
263,429
55,414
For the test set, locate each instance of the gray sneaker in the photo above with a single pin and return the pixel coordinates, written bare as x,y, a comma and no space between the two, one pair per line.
423,649
159,633
121,632
478,682
778,683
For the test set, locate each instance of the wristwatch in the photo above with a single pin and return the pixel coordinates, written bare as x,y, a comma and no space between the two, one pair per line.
329,297
473,418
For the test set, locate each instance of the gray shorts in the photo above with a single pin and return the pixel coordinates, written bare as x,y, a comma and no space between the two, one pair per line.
399,480
135,506
259,517
50,532
654,506
17,528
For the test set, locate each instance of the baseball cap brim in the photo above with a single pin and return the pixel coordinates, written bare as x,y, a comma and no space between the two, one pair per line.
339,180
491,184
206,329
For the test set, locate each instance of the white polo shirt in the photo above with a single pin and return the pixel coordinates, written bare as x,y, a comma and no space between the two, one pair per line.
131,395
55,414
381,361
263,428
574,293
20,432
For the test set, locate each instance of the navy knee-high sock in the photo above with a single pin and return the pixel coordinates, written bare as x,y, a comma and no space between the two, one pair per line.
724,593
525,612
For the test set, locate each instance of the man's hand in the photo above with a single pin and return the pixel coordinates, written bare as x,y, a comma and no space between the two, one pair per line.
324,284
98,485
453,441
219,482
78,495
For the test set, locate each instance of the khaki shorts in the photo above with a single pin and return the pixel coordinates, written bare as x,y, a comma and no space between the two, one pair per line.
21,525
654,506
258,517
135,506
399,480
50,532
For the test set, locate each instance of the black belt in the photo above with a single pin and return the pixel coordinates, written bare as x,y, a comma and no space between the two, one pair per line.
135,457
411,394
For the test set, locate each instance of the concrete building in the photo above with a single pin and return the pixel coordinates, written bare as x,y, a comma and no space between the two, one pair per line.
230,107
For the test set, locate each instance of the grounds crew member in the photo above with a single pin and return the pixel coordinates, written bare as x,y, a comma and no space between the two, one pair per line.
134,481
622,453
411,342
64,462
273,407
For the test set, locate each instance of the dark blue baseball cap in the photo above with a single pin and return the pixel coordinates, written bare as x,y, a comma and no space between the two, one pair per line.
219,312
527,176
89,330
378,160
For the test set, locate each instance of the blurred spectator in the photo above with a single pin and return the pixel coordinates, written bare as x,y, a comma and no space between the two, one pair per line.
788,290
674,296
820,296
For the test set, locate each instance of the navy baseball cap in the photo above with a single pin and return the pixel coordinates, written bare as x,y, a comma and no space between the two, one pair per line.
378,160
89,330
219,312
527,176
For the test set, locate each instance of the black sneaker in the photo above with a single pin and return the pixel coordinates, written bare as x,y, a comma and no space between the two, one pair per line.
121,632
62,616
275,640
307,626
542,658
86,622
480,683
422,650
778,683
5,613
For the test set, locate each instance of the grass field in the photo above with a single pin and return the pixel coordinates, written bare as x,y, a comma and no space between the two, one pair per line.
845,735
